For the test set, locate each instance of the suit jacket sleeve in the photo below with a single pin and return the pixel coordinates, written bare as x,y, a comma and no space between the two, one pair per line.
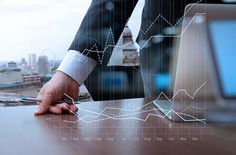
102,27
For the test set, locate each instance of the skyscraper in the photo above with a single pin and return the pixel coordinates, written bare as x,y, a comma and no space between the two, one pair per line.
23,61
32,62
43,67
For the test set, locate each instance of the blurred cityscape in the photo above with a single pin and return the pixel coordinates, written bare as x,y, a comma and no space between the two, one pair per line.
28,73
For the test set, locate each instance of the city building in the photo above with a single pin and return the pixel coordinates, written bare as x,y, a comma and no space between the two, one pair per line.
130,57
23,61
10,77
43,67
31,79
32,61
126,51
11,64
130,51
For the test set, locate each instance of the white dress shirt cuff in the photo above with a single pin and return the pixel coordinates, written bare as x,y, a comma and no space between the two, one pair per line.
77,66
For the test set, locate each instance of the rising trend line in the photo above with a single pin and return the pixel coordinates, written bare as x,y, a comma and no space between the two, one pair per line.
110,33
175,36
101,54
172,25
119,117
194,119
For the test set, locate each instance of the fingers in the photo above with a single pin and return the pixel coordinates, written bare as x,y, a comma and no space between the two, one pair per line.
63,108
59,108
55,110
73,109
44,105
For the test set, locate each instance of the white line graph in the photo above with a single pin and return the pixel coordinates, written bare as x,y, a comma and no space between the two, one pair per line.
194,119
124,117
101,54
176,36
147,41
137,111
160,16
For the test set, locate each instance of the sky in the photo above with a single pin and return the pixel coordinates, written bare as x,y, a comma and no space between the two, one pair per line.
45,27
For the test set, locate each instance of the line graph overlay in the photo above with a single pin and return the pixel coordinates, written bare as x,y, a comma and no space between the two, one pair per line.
169,23
87,51
92,123
110,35
132,113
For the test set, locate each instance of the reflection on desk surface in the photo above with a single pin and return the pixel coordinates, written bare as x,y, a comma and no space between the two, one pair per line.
111,127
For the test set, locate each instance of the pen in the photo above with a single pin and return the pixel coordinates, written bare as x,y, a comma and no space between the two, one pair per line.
33,100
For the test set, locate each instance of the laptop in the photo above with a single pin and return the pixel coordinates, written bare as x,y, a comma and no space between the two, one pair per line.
205,75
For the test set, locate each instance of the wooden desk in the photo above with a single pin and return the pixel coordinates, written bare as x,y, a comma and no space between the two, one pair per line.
100,131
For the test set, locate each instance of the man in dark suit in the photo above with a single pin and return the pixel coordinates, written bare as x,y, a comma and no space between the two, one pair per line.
91,45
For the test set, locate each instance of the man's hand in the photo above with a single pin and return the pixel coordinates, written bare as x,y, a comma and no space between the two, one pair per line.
56,89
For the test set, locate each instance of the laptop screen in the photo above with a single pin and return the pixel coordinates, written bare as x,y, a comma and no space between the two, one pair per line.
223,37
